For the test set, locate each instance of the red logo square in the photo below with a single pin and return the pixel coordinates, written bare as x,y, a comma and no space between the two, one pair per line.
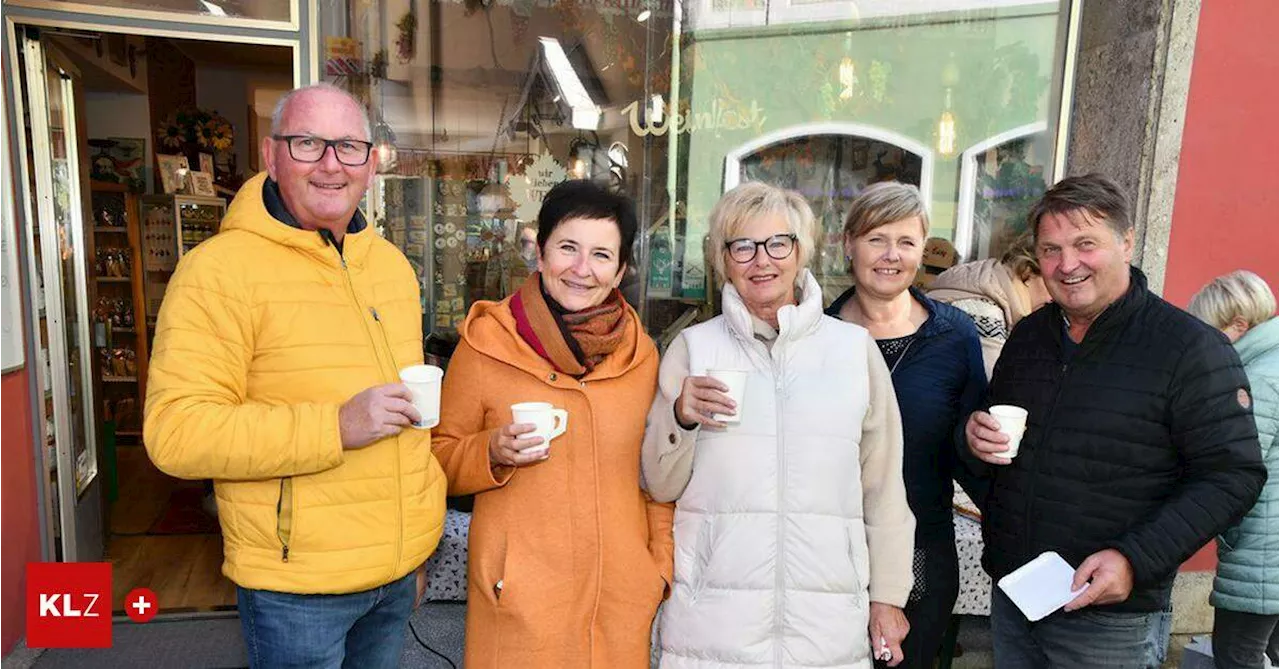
69,604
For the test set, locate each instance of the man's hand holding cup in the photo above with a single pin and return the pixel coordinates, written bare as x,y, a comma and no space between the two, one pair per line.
994,437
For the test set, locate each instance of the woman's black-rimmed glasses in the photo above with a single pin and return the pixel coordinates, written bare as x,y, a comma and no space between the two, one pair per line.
744,250
309,149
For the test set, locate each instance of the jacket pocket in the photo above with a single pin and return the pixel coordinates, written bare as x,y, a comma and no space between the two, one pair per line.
856,541
702,556
285,516
498,584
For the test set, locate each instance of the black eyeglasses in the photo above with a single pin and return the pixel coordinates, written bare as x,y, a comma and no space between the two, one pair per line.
309,149
744,250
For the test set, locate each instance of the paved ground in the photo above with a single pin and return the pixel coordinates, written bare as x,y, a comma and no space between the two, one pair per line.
215,643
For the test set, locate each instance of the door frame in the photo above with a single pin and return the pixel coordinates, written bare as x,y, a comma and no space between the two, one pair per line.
71,494
301,38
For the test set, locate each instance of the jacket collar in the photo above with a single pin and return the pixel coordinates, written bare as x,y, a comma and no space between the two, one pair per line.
248,212
935,324
1261,339
1117,313
272,200
492,330
794,320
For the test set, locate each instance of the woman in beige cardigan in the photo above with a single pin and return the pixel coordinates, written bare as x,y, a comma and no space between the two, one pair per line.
996,293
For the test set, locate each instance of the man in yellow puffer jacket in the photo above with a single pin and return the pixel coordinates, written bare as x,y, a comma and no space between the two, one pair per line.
275,373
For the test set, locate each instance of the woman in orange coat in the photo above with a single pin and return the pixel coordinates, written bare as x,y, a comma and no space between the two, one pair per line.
568,559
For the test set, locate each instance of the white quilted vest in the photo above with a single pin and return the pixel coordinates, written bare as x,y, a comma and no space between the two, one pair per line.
770,550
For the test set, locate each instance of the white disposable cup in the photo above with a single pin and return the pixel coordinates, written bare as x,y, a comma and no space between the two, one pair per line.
423,382
549,421
1013,422
736,379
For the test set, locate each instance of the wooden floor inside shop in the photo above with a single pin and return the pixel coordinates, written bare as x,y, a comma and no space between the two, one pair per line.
177,553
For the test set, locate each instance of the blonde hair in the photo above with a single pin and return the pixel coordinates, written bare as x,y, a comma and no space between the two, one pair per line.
1020,257
753,200
1240,294
884,203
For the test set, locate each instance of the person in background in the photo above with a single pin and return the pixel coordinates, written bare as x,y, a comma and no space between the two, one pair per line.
275,373
1246,594
1139,447
568,557
792,529
996,293
934,359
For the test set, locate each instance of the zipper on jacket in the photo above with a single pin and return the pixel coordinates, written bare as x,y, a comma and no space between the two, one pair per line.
400,512
284,516
355,298
780,581
1035,463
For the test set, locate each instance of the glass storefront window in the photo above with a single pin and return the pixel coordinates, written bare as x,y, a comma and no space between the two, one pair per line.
262,10
489,104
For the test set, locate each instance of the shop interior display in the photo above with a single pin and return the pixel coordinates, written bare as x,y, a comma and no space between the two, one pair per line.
120,329
171,226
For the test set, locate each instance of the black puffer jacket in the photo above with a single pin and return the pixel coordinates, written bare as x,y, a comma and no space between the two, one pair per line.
1141,441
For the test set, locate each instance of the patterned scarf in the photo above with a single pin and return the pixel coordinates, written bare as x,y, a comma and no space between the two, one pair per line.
574,342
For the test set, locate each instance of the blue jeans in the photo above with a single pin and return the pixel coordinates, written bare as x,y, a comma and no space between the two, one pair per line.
1084,638
362,629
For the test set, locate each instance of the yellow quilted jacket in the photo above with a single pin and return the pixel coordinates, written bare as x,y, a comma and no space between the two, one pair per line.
264,332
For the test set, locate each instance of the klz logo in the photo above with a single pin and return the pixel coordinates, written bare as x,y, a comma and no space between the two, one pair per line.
69,605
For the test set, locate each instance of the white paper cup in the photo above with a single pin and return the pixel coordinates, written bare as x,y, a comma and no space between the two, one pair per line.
1013,422
549,421
736,379
423,382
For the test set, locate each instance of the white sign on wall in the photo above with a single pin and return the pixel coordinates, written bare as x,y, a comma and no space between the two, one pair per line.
11,319
11,353
527,190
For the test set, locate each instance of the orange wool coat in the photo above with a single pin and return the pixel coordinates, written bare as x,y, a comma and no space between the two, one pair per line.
568,558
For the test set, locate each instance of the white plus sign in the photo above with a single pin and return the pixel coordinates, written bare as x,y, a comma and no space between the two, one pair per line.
141,605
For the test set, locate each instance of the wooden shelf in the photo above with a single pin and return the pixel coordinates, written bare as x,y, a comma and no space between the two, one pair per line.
111,228
128,433
114,279
130,330
119,379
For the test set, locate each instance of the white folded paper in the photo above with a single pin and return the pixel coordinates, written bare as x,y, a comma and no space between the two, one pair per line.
1041,586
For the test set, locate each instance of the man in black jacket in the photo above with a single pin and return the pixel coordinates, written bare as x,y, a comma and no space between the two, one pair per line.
1139,448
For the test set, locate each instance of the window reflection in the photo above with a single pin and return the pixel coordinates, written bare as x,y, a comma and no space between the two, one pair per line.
490,104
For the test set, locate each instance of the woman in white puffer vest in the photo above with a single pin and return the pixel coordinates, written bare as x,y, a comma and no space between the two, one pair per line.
793,538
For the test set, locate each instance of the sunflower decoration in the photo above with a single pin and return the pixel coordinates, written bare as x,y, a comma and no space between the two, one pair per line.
190,129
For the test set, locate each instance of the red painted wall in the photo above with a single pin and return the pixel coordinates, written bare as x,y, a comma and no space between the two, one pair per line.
1225,210
19,520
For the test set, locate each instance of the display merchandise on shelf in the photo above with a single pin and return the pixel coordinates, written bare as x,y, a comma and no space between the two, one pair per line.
173,225
118,304
466,249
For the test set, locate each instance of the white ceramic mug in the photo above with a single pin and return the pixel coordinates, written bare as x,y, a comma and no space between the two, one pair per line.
1013,422
423,382
736,379
550,422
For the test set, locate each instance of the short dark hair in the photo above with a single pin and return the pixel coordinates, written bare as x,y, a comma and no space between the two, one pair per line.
1094,193
581,198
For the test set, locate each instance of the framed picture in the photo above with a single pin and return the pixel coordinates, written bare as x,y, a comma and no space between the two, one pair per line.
201,183
206,162
172,172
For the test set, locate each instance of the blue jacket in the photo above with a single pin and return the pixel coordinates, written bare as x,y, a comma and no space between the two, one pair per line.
1249,553
939,381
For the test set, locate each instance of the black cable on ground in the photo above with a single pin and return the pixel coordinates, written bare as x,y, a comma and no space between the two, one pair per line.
429,648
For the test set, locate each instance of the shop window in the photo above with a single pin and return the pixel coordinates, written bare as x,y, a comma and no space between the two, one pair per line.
491,103
829,165
260,10
1000,179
